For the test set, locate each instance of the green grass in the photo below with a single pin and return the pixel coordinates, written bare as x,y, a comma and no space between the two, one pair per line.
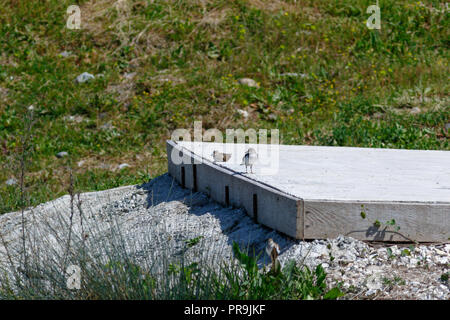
360,86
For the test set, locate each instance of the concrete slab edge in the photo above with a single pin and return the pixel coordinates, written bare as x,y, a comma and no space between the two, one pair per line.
311,219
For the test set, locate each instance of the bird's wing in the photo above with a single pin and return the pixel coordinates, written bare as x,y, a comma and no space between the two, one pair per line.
243,160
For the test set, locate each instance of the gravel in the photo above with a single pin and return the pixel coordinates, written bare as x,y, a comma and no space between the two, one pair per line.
11,182
65,54
248,82
62,154
243,113
123,166
85,76
294,75
161,214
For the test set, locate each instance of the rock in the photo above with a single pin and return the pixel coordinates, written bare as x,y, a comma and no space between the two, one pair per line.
168,78
371,292
374,281
11,182
294,74
123,166
85,76
395,250
65,54
412,263
447,126
249,82
129,76
107,126
415,110
243,113
440,260
62,154
440,252
319,251
76,119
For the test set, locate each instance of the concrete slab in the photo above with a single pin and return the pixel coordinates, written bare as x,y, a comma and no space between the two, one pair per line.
336,190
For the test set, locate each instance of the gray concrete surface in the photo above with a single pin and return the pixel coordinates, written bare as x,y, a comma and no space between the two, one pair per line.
310,192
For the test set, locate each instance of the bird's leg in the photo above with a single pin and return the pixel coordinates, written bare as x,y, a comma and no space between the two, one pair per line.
251,168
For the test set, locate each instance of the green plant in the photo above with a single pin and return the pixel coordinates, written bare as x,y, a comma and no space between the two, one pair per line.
292,282
396,280
393,224
391,255
192,242
363,213
405,252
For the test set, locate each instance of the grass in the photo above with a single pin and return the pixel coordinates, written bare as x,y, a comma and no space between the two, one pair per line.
360,87
110,264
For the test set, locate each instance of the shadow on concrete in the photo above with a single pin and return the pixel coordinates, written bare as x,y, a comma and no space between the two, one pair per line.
378,234
235,224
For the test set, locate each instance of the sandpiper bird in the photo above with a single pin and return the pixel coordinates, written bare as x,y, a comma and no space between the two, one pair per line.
273,250
221,157
249,159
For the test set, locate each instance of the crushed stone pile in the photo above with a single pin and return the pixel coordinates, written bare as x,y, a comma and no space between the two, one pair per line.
161,218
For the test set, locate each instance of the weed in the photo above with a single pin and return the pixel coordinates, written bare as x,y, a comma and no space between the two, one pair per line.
396,280
377,224
292,282
405,252
363,213
194,241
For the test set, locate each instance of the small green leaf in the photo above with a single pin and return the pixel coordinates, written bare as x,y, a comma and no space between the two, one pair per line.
391,222
405,252
333,294
192,242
